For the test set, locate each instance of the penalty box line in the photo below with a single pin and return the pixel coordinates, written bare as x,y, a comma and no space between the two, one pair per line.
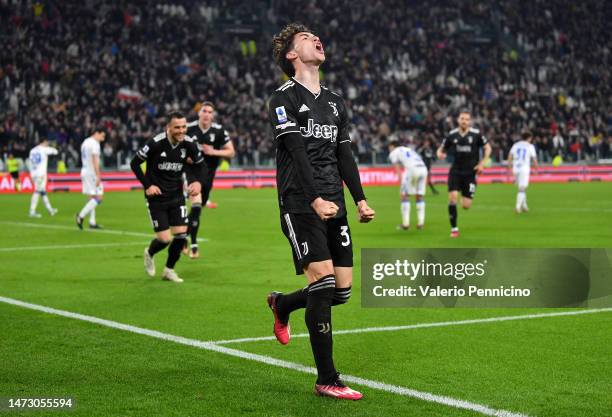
81,246
96,231
268,360
426,325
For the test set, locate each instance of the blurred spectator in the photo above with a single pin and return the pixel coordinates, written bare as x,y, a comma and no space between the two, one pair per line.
405,68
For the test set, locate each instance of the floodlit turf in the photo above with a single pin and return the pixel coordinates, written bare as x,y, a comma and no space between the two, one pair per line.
558,366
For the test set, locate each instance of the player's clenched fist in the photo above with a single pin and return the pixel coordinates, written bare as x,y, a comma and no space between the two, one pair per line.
324,209
153,190
194,188
366,213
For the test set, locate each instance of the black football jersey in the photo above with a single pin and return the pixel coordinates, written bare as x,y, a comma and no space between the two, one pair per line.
465,148
166,163
322,122
214,136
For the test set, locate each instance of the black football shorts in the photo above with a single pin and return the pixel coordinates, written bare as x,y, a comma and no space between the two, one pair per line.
165,215
314,240
464,182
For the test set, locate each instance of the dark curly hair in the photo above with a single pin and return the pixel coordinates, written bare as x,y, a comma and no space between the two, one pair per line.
282,43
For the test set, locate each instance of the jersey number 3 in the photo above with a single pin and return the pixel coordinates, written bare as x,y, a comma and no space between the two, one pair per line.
344,233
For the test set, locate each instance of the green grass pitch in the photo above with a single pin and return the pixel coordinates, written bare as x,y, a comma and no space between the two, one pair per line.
545,367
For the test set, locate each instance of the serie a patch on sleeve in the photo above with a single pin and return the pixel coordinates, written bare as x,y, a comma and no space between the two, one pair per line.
281,114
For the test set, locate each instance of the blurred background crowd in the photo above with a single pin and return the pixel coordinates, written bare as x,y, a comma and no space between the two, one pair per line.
405,68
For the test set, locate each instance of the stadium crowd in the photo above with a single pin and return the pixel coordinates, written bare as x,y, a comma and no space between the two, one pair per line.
404,66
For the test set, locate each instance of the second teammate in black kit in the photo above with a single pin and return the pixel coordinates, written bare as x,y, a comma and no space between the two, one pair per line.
313,157
465,143
166,155
215,143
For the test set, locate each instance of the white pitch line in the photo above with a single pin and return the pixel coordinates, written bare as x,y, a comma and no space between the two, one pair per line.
82,246
381,386
75,229
425,325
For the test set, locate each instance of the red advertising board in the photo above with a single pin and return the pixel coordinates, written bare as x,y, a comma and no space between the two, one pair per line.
125,181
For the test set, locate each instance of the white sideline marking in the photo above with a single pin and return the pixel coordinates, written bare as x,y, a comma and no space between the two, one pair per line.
426,325
82,246
85,229
394,389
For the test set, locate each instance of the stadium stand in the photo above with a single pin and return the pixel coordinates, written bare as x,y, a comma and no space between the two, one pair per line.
406,67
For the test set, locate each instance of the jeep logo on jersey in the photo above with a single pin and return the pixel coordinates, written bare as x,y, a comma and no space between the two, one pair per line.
320,131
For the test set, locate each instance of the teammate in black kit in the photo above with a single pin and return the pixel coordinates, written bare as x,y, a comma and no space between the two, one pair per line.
215,144
166,156
465,143
427,152
313,157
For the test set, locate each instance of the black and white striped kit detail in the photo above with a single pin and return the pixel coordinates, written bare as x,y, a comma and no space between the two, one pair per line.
292,236
325,282
342,295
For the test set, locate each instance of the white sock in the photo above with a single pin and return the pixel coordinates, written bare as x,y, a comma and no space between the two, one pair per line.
92,216
45,199
524,199
520,199
420,207
34,202
405,208
91,204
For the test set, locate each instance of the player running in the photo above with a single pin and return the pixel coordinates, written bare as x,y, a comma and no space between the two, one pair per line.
215,144
313,158
413,181
166,156
428,153
38,160
465,143
91,179
520,157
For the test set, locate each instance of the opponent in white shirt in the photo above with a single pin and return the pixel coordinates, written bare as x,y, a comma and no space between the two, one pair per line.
520,157
413,181
90,177
37,162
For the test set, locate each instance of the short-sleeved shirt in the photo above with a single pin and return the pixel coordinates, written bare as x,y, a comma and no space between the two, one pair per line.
165,165
466,149
215,136
321,121
406,157
39,158
89,148
522,153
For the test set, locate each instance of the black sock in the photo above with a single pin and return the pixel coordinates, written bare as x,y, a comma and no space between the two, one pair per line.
318,321
156,245
341,296
452,213
288,303
194,222
174,251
